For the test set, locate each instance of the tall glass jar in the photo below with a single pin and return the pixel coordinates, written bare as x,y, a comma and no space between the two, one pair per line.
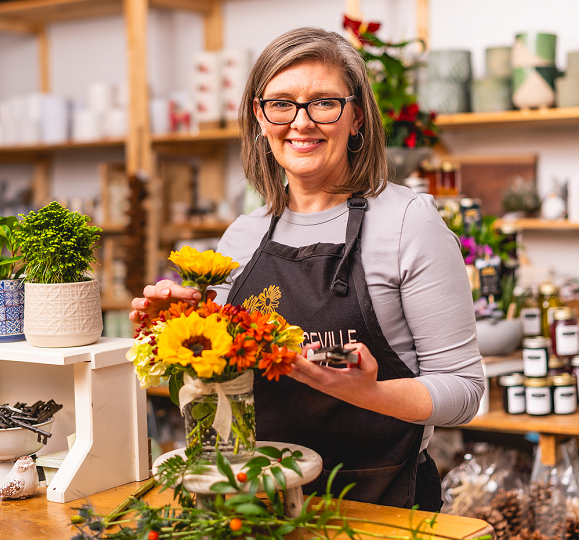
564,333
199,417
450,180
529,312
431,172
549,301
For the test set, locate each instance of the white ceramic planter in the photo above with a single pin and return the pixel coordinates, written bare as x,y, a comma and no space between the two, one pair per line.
62,314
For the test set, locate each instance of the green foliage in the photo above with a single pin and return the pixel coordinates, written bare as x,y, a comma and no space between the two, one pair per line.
57,245
9,264
405,125
252,517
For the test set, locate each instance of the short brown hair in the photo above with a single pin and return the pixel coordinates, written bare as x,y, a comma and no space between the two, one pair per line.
368,166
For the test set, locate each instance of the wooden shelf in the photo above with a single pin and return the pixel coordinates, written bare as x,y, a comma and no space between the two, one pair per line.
564,116
206,135
70,145
185,231
162,391
532,224
27,16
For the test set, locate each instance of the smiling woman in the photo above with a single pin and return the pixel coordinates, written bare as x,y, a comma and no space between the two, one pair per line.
354,262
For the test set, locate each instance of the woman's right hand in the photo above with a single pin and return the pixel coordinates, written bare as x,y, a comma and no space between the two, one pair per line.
160,296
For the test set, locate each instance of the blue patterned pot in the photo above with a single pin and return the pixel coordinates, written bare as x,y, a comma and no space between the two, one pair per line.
11,310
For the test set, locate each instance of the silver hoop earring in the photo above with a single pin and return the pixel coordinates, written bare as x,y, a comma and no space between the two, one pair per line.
361,144
265,141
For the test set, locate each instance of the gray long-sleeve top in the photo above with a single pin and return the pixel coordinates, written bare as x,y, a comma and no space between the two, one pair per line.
417,282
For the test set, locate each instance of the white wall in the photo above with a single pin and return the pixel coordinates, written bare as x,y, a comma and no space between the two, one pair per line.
82,52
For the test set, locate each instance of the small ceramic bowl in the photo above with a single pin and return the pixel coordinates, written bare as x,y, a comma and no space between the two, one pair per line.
18,442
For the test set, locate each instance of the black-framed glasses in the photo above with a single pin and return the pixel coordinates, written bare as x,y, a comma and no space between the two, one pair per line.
320,111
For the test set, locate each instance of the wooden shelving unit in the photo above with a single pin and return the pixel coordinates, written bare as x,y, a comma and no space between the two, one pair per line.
14,151
565,116
540,224
552,428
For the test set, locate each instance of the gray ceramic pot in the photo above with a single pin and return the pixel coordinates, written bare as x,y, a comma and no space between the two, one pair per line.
449,65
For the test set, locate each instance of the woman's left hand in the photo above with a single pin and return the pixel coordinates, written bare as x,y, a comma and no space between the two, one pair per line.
354,384
405,398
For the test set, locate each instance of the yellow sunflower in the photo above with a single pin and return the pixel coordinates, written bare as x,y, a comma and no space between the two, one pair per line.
207,268
197,342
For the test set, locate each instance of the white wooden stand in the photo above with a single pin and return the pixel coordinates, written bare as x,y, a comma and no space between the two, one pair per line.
310,465
110,420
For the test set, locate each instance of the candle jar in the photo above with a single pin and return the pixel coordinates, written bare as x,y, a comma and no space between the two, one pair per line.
535,351
529,313
538,396
564,393
564,332
513,393
432,173
450,180
556,366
549,301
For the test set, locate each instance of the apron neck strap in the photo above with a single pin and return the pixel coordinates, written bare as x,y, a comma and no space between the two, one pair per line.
357,206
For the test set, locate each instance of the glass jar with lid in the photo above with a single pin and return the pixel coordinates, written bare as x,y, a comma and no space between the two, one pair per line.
431,172
529,311
574,365
449,180
549,301
564,332
556,366
536,352
564,393
513,393
538,396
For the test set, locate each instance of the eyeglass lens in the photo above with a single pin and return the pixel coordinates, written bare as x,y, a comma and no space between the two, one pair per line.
322,111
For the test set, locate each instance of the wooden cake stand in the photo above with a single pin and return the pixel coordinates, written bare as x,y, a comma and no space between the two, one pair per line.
310,465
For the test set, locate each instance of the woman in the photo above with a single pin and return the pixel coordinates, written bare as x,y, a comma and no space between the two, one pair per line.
353,261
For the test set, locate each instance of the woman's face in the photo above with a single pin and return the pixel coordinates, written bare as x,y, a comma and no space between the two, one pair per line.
310,152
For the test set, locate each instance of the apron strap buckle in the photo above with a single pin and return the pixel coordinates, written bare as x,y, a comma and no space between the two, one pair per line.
339,287
357,202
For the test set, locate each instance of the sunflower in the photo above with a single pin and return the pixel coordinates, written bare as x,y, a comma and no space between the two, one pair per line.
202,269
197,342
268,299
243,352
276,363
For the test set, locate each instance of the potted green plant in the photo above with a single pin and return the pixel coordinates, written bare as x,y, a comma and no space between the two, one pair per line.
11,285
62,305
410,132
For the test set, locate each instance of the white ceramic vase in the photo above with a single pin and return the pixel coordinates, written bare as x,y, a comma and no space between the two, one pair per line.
62,314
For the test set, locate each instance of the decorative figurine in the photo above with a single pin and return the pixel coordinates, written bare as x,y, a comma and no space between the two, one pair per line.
21,481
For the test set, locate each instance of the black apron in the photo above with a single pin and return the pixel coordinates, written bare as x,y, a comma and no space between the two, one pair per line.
322,289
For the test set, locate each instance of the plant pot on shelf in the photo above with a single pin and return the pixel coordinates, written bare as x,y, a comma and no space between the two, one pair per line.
62,314
11,310
405,161
498,337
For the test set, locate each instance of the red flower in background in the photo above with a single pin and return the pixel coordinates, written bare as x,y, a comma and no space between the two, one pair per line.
358,28
411,140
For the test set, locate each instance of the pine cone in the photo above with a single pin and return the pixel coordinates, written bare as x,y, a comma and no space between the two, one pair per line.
511,507
495,519
571,532
526,534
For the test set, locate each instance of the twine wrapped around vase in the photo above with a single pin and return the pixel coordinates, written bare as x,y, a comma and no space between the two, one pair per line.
195,388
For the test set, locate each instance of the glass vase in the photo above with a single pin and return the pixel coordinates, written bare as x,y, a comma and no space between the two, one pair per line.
199,415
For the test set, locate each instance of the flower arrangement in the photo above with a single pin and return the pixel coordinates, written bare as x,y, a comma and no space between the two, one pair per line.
57,245
9,264
405,124
213,351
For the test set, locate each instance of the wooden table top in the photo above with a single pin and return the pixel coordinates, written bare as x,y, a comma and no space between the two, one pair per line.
38,519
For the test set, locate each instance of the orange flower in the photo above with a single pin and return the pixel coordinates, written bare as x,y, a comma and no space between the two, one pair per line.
259,326
277,363
208,307
175,310
243,352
